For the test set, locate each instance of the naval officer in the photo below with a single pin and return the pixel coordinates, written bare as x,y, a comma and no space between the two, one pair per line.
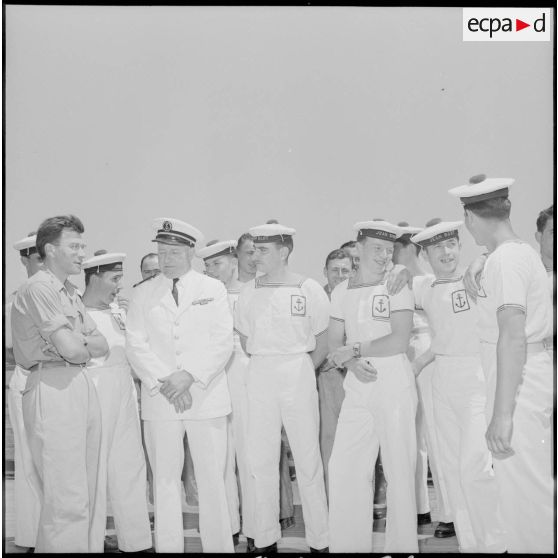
515,316
179,338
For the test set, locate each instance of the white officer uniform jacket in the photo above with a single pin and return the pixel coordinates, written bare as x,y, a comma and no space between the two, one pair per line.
196,336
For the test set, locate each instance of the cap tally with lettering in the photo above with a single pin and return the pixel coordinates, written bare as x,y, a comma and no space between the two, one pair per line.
437,233
174,231
223,248
377,229
481,188
271,232
26,246
104,261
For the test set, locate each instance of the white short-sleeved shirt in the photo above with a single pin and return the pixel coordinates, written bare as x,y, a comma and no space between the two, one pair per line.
280,319
112,325
452,315
514,276
366,309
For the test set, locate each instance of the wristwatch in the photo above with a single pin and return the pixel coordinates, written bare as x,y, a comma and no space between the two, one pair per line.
356,350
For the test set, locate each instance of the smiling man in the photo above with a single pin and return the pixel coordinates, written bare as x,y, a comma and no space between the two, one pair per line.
281,318
122,471
179,338
458,391
369,333
54,338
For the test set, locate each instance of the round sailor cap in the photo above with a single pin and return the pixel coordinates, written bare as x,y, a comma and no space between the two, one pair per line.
437,233
26,246
174,231
377,229
271,232
223,248
104,261
481,188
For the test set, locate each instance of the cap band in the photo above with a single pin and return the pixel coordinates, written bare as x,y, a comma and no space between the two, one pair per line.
376,233
439,238
175,237
501,193
274,238
116,266
26,252
225,252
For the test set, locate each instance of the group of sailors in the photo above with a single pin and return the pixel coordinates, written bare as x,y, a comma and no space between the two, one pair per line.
383,359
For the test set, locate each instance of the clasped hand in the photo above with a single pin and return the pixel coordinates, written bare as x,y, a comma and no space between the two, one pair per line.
176,389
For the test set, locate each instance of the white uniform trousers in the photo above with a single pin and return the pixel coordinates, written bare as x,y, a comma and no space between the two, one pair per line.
525,480
459,391
236,376
282,390
373,415
331,395
122,469
231,481
27,491
208,441
63,424
429,451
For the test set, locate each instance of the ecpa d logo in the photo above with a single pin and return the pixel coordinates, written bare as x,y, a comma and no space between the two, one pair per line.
507,24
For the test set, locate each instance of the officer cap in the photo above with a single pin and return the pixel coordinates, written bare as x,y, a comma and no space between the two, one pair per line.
174,231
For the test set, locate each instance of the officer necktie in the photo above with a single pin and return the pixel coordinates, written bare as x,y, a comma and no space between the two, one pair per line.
175,290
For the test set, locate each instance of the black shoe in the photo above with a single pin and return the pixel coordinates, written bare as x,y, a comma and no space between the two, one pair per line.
320,550
250,546
444,530
110,544
30,550
271,549
150,550
235,538
424,518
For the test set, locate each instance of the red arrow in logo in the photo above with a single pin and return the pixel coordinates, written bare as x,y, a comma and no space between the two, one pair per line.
519,25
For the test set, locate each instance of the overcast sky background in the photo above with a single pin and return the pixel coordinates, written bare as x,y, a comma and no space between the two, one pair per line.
227,117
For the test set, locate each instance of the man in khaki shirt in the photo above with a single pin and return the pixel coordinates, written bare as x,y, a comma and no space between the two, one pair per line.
54,338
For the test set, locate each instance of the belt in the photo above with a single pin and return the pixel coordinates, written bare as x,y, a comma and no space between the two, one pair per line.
53,364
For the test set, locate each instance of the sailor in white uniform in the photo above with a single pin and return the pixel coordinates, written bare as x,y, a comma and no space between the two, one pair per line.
380,401
515,316
221,263
428,452
282,321
179,338
26,482
122,472
459,391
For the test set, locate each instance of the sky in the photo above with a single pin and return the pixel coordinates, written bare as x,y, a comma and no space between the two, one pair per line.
318,117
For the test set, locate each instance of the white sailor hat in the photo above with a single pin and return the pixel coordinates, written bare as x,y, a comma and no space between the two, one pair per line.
481,188
377,229
104,261
223,248
437,233
26,246
271,232
174,231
